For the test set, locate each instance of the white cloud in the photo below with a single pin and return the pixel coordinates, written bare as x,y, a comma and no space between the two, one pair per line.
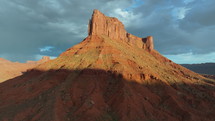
127,17
180,12
46,49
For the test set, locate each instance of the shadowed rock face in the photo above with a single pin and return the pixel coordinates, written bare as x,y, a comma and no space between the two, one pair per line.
149,44
101,95
107,79
114,29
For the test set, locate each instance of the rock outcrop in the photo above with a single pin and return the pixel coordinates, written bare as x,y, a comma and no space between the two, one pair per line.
114,29
44,59
149,44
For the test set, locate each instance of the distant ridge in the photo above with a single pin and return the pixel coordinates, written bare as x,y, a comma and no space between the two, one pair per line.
203,68
9,70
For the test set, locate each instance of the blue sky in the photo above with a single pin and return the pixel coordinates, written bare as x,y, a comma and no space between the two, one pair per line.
183,30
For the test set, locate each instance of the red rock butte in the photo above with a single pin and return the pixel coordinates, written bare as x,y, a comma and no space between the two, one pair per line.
114,29
110,76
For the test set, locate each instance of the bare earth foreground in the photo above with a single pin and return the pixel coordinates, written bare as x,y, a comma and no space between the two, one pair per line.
110,76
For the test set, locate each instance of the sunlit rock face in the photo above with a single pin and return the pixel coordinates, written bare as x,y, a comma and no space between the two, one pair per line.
114,29
9,70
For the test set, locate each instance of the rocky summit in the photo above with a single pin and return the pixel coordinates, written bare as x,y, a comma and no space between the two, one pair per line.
110,76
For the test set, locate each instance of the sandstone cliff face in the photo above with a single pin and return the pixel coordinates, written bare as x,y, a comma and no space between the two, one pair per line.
103,25
114,29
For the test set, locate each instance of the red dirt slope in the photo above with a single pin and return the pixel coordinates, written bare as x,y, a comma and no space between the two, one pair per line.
107,78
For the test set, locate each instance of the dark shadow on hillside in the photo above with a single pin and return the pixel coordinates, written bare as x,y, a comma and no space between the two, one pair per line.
99,95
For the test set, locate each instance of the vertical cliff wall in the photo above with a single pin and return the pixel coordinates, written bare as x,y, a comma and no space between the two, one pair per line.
114,29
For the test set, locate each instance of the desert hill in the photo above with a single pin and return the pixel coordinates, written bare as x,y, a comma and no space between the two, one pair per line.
110,76
10,69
